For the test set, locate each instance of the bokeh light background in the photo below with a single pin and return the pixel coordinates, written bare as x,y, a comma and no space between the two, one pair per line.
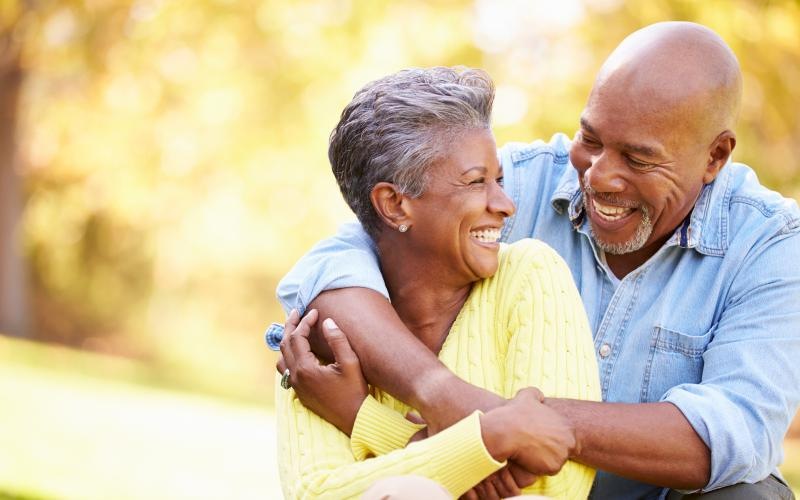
163,163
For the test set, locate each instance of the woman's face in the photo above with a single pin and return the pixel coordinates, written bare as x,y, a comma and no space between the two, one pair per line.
456,222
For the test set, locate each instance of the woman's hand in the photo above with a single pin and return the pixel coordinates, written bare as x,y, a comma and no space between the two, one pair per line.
533,435
505,483
336,391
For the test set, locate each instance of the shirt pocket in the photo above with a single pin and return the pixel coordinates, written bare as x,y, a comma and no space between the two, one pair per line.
675,358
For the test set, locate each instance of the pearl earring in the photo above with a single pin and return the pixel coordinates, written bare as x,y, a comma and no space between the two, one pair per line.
403,228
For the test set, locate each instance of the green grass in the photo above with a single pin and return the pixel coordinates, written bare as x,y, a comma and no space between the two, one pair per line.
81,426
76,436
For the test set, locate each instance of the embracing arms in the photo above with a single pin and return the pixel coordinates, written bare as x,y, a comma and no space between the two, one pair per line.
658,439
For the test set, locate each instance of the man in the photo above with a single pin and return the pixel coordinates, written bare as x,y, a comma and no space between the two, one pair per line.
687,267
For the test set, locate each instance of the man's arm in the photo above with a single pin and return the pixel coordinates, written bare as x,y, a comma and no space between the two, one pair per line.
341,278
648,442
728,428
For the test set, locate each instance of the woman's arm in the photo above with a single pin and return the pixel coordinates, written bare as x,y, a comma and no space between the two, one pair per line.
316,458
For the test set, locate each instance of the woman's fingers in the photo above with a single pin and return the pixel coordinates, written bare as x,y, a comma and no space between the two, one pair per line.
505,484
281,364
291,321
521,477
293,351
343,354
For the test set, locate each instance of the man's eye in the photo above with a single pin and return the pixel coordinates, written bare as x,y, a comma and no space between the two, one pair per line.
588,141
479,180
500,181
638,164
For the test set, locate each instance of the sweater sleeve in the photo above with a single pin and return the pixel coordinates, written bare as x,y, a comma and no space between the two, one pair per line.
316,461
549,344
379,429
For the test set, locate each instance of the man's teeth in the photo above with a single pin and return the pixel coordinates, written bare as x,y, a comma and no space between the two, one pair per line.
610,212
486,235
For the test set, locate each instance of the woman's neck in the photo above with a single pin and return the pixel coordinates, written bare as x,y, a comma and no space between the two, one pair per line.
426,301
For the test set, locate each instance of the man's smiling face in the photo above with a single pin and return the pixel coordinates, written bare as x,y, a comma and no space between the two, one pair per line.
641,167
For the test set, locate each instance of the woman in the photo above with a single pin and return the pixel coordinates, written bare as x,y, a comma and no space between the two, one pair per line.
415,159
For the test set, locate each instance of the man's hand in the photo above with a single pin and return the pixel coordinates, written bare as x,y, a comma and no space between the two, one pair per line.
336,391
531,434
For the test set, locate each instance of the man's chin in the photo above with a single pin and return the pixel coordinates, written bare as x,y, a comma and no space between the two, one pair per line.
635,243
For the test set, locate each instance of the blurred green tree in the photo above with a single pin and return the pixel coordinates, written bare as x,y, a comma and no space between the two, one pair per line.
172,154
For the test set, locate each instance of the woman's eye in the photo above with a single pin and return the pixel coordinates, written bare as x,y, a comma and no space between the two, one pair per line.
500,181
480,180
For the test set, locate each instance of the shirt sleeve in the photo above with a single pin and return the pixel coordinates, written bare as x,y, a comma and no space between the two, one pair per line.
750,386
315,459
549,345
348,259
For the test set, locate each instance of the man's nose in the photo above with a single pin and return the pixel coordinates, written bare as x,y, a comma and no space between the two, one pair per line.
605,174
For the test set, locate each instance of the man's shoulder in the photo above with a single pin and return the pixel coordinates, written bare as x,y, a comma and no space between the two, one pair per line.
744,214
556,150
747,190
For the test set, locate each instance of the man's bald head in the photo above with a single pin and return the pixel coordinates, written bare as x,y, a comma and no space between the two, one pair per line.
673,65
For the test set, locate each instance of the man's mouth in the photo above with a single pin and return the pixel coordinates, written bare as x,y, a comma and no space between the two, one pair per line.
486,235
611,213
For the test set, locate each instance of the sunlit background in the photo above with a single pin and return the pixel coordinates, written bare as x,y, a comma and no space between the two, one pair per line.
163,163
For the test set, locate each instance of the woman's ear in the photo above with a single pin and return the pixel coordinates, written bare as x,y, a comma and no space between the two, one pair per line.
720,151
391,205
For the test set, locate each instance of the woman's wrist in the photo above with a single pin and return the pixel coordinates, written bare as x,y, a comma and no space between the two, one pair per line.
348,421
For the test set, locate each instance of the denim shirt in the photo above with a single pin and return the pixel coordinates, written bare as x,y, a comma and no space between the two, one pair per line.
710,323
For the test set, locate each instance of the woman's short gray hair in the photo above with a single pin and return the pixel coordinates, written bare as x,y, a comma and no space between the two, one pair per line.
395,128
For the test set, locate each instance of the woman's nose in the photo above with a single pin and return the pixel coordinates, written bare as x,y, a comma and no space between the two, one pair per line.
499,202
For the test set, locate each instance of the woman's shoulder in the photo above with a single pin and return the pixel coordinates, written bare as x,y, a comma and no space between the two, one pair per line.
527,252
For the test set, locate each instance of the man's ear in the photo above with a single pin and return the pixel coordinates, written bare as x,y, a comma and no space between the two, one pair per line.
391,205
718,155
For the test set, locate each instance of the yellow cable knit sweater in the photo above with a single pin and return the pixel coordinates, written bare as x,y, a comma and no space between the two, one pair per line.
525,326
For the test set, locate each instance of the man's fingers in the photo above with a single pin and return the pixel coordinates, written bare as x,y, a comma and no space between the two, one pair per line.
530,393
342,352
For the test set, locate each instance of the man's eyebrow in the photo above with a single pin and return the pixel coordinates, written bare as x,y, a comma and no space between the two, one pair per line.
585,125
640,149
633,148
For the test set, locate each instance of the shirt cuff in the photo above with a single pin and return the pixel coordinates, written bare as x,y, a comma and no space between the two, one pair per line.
379,429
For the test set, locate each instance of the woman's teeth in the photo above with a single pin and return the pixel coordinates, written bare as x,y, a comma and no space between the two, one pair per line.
486,235
610,212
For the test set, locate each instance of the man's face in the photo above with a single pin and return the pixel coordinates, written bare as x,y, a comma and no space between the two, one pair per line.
641,169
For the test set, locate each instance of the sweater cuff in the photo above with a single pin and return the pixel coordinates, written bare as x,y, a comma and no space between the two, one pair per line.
460,456
379,430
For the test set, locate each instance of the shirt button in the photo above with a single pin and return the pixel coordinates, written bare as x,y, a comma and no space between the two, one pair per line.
605,350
